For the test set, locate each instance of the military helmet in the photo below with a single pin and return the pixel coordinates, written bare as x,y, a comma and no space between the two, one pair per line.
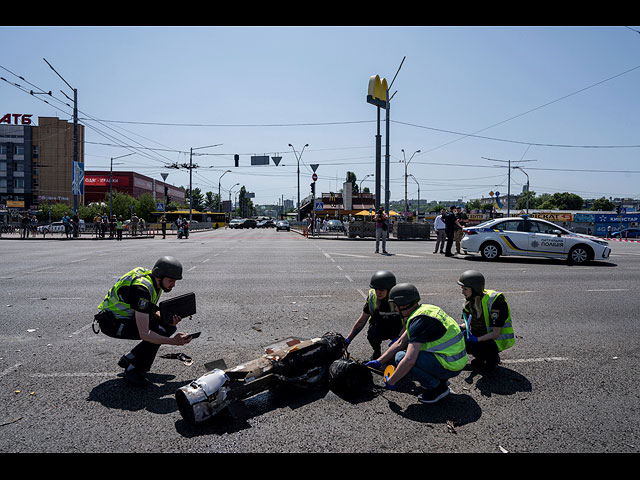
167,267
404,294
382,280
472,279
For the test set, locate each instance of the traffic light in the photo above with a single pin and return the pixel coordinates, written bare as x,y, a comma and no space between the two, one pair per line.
236,158
313,188
618,209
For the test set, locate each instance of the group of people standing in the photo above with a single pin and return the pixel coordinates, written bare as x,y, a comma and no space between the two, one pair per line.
449,227
102,223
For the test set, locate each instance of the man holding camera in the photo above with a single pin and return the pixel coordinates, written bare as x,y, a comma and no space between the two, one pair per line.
130,311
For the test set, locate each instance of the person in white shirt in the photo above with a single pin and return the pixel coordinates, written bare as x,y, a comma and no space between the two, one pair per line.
441,236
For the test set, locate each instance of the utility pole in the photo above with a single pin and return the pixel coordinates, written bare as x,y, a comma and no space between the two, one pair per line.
75,135
111,183
406,163
509,179
298,157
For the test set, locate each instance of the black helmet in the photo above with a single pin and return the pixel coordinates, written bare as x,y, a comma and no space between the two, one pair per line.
404,294
472,279
382,280
167,267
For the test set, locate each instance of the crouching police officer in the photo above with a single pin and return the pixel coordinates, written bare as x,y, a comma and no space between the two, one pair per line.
129,311
487,328
431,348
384,322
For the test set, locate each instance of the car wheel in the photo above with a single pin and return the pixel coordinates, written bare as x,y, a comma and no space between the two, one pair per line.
490,251
579,255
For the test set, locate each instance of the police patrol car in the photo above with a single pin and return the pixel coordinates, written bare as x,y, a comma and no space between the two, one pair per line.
532,237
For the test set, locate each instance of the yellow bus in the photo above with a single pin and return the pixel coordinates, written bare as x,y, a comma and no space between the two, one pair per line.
217,219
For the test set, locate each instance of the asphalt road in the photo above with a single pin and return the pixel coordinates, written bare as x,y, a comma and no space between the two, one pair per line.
568,385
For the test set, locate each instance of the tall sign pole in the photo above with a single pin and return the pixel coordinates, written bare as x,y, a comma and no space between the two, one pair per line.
377,96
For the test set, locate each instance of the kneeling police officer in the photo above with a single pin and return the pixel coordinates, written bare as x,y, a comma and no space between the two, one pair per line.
431,349
130,311
384,322
487,321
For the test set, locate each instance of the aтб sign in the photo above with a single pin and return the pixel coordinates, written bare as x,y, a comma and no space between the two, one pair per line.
16,119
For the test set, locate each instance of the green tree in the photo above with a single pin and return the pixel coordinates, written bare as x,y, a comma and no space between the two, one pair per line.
145,204
603,205
211,201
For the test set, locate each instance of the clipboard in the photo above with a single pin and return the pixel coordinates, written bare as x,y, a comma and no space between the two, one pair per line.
182,305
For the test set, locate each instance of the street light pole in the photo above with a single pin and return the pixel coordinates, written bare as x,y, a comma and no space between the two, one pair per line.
406,205
361,181
298,157
522,170
415,180
111,183
219,187
191,177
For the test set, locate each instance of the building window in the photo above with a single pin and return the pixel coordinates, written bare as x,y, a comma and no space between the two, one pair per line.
18,182
18,150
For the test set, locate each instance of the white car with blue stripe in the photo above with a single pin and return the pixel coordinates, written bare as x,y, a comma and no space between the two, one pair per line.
533,237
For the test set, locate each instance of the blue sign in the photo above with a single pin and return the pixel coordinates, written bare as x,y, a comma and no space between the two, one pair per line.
319,206
615,217
160,206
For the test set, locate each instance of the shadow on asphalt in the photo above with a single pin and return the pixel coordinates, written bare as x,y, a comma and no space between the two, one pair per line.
533,261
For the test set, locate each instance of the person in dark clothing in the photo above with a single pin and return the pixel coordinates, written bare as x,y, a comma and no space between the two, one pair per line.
130,311
384,322
431,349
449,220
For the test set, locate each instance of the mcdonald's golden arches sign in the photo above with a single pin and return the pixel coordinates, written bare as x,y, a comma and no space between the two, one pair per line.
377,94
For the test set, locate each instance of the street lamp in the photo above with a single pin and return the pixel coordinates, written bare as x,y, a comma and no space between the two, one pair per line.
230,205
219,187
522,170
111,183
361,181
191,176
298,157
414,178
406,206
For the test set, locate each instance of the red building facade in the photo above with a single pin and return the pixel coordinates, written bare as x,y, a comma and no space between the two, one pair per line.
97,186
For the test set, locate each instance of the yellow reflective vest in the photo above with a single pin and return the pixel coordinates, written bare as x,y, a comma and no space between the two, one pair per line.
114,302
448,349
507,337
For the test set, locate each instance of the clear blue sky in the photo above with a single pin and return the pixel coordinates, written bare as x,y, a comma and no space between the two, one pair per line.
526,93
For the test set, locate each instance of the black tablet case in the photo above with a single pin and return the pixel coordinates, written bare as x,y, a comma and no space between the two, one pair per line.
182,305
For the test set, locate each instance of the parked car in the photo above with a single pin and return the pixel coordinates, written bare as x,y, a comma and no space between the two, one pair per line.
266,224
627,233
335,226
55,227
249,223
236,223
282,225
532,237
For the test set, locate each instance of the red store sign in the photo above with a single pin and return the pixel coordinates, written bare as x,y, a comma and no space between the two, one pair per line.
16,119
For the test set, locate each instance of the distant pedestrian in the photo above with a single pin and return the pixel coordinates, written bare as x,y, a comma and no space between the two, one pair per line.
609,229
449,220
134,224
381,230
462,219
66,222
119,228
163,222
112,226
441,236
24,222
